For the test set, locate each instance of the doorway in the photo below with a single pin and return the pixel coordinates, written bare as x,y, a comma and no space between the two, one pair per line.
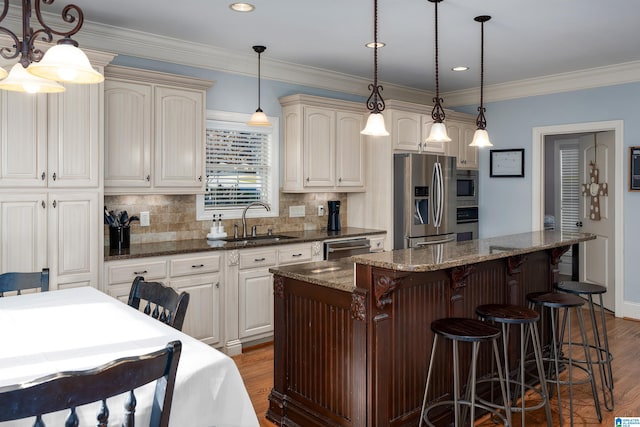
598,263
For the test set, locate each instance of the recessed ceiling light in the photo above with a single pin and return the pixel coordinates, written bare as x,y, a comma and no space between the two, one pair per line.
242,7
460,68
372,45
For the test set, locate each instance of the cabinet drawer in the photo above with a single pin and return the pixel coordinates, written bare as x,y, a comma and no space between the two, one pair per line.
195,265
377,244
294,254
152,270
254,259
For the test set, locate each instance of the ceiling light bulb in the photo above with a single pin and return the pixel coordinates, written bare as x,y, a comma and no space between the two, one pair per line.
242,7
460,68
375,44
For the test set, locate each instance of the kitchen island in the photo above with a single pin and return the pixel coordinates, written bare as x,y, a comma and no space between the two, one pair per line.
352,339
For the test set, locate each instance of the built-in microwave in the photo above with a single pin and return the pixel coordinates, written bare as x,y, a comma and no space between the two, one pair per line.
467,185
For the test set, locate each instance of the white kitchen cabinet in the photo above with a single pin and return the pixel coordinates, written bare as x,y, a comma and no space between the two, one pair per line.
55,230
249,296
410,130
199,274
323,147
461,134
51,140
154,132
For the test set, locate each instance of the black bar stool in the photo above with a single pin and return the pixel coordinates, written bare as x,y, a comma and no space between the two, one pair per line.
507,315
557,302
469,330
601,342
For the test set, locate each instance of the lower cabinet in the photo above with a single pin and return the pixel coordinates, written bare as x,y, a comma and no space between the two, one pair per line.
198,274
249,310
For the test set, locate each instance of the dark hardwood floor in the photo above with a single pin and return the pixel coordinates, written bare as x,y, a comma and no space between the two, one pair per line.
256,368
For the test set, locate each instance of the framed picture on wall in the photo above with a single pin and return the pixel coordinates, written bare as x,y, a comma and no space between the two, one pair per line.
506,163
634,168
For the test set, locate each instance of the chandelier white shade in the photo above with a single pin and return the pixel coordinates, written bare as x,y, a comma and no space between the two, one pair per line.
438,133
481,139
375,126
19,80
66,63
3,73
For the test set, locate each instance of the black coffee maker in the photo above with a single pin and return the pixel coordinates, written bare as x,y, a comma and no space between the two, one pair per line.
334,215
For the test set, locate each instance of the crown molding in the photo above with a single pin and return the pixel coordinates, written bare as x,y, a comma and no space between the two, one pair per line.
628,72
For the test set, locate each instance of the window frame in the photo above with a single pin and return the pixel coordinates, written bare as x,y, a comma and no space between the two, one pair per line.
235,119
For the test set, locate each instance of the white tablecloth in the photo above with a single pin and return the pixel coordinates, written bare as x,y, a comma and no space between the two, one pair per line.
81,328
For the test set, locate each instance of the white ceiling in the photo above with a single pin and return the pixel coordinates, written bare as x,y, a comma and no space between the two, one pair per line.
523,40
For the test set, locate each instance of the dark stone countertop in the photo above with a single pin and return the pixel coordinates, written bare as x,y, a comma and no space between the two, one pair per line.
340,275
143,250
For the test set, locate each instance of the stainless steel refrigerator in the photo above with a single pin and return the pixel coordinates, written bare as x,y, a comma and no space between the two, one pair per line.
424,197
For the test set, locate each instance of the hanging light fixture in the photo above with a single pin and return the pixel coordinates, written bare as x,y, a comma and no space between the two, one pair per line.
19,80
375,123
438,129
259,118
64,62
481,136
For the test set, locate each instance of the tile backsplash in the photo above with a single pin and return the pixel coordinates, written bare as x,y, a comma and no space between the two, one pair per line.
174,217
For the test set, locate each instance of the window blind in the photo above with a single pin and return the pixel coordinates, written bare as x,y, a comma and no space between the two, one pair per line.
238,166
569,189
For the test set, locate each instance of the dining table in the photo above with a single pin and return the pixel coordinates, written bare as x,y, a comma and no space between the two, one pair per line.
81,328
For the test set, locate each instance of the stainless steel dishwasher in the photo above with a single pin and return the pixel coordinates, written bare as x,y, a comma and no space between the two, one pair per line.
334,249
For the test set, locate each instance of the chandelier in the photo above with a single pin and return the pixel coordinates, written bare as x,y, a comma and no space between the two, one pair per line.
38,71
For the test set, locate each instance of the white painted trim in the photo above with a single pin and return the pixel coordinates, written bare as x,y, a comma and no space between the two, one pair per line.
623,309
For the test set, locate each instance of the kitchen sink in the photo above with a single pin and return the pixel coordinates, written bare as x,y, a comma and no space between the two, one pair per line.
262,239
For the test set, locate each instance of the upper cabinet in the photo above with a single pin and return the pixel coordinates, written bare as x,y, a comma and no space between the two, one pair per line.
461,134
410,124
51,140
154,132
323,147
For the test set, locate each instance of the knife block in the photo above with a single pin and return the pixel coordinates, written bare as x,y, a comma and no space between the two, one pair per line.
119,237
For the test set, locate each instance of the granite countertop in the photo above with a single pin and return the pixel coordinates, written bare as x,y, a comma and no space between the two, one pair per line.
454,254
340,275
143,250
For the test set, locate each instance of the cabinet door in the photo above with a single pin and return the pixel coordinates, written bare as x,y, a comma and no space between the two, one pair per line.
23,232
73,231
349,150
470,153
319,147
453,148
255,303
179,138
127,134
74,131
202,320
406,130
23,140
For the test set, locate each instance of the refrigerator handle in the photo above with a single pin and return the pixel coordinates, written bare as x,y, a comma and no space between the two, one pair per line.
438,196
434,195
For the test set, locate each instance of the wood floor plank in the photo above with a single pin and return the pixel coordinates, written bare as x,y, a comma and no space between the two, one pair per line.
256,368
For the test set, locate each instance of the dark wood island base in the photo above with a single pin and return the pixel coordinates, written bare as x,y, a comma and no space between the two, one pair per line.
357,355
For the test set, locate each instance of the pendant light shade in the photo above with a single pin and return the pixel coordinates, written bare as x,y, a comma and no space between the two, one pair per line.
259,118
19,80
3,73
438,130
67,63
375,123
481,136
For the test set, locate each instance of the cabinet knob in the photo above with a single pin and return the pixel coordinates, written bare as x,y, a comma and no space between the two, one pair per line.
43,205
43,176
218,285
307,179
54,176
54,204
200,178
148,177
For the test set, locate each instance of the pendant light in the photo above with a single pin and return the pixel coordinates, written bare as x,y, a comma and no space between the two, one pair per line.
62,62
438,129
3,73
481,136
259,118
375,123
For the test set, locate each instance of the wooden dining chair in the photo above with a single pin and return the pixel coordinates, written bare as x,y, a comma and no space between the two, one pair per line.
18,282
69,390
163,302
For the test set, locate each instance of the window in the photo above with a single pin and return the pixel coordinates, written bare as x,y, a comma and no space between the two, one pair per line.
241,166
570,192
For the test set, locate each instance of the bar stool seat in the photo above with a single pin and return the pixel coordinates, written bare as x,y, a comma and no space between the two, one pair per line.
474,331
600,339
557,302
507,315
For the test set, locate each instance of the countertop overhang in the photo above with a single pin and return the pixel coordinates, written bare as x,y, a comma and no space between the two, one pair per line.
340,275
143,250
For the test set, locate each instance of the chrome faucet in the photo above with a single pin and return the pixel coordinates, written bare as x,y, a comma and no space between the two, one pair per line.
244,214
